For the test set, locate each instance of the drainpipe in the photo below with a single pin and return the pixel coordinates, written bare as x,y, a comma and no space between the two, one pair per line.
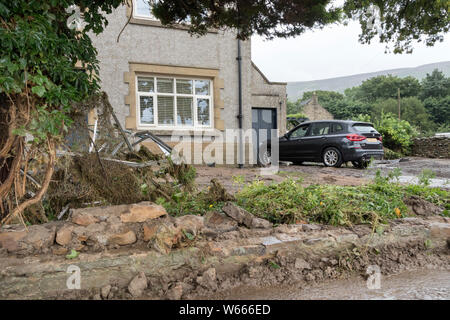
239,116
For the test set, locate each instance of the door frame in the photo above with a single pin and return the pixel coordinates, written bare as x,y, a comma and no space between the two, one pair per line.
274,111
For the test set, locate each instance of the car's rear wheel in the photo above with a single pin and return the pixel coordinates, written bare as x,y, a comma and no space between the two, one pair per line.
332,157
360,164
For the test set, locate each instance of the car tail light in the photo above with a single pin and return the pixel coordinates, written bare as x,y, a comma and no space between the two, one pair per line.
380,138
356,137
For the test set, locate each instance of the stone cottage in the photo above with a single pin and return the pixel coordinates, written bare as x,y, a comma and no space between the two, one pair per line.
165,80
314,111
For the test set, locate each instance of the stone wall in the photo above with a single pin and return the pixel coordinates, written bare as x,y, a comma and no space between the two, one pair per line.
434,147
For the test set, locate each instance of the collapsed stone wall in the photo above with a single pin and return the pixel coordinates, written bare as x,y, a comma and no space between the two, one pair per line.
434,147
123,252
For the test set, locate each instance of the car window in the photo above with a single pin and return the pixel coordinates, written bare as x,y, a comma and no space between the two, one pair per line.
337,128
319,129
300,132
364,128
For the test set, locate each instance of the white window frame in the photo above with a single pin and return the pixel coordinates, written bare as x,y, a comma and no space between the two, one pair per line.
155,95
150,17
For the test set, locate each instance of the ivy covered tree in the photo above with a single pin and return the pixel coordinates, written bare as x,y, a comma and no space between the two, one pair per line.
38,82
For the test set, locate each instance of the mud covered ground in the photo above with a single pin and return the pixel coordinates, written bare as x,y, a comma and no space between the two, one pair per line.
317,173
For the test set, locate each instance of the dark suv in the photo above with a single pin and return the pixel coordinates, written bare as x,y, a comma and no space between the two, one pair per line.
332,142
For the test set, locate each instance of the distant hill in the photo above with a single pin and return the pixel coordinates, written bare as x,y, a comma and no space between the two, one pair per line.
295,90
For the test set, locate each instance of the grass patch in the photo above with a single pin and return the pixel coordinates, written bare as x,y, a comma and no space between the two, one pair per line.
291,202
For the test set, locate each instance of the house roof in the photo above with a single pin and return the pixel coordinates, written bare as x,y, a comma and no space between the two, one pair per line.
265,78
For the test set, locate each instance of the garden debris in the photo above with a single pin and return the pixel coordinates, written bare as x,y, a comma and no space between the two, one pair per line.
421,207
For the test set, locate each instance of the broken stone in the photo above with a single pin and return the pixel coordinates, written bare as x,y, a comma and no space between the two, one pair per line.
64,235
440,230
123,238
105,291
302,264
208,279
143,211
190,223
83,219
311,227
259,223
138,285
220,222
10,240
60,251
40,237
149,231
176,292
166,236
239,214
97,297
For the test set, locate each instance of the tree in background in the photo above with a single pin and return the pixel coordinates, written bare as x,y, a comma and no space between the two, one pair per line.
435,85
385,87
439,109
412,110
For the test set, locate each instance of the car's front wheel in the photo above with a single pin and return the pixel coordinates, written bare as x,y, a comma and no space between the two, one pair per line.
332,157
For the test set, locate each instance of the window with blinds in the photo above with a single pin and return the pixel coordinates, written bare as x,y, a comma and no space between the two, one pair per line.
174,102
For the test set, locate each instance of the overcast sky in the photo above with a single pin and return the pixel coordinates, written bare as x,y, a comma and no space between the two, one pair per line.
334,52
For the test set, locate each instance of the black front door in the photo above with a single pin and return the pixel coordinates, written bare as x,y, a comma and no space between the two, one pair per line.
263,121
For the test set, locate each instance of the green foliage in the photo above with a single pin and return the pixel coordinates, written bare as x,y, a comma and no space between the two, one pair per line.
291,202
435,85
38,57
403,22
397,134
73,254
425,177
274,18
385,87
439,109
411,109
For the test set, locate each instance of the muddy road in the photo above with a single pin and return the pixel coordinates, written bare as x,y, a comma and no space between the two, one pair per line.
317,173
408,285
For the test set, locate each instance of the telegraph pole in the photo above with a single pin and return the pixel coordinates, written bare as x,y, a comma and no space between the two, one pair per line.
399,105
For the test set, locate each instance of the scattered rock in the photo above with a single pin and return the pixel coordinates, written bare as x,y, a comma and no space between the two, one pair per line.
244,217
149,231
239,214
106,291
10,240
302,264
259,223
60,251
166,236
311,227
138,285
64,235
208,279
220,222
123,238
190,223
440,230
97,297
40,237
176,292
143,211
83,219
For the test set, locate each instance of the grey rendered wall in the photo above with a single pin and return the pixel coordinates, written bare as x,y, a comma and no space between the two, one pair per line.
265,94
175,47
